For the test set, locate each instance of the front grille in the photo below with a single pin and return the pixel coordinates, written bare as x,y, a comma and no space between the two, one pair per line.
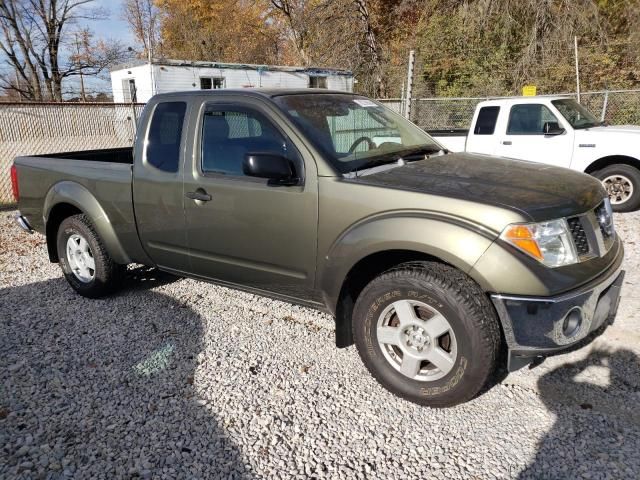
579,236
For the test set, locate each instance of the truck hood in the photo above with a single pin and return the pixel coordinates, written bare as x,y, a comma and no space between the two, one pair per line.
629,129
541,192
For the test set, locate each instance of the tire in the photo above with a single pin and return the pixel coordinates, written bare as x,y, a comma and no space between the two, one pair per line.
618,179
88,268
433,291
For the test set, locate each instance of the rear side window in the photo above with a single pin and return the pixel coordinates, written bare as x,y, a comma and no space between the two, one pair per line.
529,119
165,132
486,123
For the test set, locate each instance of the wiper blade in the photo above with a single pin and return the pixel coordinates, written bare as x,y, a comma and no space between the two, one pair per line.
407,155
421,152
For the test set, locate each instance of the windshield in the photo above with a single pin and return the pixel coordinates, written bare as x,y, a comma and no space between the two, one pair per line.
575,114
354,132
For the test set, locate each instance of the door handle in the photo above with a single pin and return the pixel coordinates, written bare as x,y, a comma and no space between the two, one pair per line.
199,194
507,142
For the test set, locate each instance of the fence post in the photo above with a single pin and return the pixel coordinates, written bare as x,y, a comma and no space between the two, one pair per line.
604,105
575,47
407,105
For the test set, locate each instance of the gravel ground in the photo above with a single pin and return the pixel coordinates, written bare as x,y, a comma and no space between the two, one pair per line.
173,378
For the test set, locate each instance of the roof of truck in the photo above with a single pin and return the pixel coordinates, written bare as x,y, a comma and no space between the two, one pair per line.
534,99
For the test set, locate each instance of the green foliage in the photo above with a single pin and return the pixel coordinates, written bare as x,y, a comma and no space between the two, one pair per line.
484,48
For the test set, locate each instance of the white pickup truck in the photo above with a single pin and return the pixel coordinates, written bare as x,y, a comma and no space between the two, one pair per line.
557,131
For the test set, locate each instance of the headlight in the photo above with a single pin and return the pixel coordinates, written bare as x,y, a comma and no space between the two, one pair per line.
548,242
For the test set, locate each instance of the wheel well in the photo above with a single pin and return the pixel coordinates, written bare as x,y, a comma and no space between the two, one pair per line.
358,277
612,160
57,214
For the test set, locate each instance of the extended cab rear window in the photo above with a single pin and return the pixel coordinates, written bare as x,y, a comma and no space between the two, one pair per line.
165,133
486,123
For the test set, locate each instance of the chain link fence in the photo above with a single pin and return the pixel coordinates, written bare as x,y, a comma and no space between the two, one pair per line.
36,128
40,128
618,107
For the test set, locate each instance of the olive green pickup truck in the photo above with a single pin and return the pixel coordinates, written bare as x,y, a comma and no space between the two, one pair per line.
440,267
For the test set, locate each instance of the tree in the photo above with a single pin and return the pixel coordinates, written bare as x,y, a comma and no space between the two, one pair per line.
38,45
143,17
224,30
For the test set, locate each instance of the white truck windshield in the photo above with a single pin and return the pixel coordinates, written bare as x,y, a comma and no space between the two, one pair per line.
575,114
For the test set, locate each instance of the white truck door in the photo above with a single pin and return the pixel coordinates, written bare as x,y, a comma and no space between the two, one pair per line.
482,137
534,133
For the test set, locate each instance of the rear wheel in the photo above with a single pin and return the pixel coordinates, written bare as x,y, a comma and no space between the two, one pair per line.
427,333
622,183
85,262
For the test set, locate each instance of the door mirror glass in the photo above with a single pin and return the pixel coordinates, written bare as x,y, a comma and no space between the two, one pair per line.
272,166
552,128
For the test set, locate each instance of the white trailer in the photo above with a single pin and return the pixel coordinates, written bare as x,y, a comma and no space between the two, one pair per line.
138,81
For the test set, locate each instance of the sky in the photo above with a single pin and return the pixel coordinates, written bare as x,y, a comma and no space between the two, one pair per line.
114,27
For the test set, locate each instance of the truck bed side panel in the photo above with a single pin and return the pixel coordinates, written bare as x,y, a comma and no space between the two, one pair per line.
90,186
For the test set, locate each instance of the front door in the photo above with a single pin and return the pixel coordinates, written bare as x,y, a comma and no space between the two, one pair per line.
241,229
525,137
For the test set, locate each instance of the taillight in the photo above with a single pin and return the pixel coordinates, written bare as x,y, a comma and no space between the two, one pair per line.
14,183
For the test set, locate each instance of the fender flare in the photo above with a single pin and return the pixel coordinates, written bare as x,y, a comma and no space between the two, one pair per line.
457,242
80,197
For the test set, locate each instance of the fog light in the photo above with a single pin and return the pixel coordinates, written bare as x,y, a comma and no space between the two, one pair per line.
572,323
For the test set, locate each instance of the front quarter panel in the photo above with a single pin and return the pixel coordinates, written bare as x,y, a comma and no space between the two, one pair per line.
358,220
592,145
409,231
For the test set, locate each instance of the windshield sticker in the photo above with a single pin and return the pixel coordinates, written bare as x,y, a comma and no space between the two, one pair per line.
365,102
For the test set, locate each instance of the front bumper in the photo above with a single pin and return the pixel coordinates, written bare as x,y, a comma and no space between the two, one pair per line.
538,327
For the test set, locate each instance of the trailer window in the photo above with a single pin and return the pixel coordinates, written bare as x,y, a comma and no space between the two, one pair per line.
317,81
165,134
486,123
211,83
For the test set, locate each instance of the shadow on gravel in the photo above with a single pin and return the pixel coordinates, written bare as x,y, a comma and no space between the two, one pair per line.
597,429
104,388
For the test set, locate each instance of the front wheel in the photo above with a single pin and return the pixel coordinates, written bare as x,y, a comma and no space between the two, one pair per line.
622,183
427,333
84,260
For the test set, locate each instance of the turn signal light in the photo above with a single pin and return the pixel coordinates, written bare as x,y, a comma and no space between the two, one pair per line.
522,237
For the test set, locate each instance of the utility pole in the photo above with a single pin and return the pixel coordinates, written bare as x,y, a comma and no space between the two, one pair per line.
407,105
575,48
150,54
82,92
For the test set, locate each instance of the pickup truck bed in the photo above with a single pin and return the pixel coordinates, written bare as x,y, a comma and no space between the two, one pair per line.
91,181
111,155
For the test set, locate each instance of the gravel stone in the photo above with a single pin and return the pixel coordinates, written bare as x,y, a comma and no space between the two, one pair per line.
174,378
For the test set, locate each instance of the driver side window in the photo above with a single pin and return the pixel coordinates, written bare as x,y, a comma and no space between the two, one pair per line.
229,134
529,119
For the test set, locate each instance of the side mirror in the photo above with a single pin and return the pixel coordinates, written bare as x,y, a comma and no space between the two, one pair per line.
552,128
272,166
